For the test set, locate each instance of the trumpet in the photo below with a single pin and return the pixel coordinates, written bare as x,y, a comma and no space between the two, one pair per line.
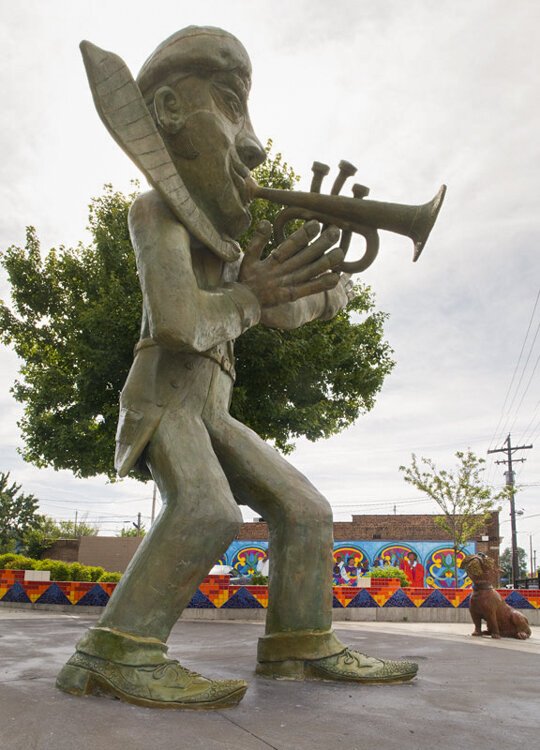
354,215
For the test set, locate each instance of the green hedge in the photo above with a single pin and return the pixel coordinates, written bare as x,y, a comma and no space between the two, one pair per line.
389,572
60,571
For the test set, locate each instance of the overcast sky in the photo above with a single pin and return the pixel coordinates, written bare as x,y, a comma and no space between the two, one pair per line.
414,93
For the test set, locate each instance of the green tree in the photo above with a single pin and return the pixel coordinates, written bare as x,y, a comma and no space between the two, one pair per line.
505,563
466,502
75,319
39,539
17,513
75,529
128,532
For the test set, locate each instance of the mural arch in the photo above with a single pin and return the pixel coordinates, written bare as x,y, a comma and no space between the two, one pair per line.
440,573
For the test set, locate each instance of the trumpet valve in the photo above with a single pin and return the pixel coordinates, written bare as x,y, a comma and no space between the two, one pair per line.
360,191
320,171
346,169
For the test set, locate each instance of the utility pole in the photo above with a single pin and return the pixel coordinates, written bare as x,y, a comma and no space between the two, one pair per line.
75,524
138,525
510,483
531,555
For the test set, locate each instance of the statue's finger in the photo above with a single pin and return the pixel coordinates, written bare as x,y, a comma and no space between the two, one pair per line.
296,242
316,250
321,284
261,236
326,262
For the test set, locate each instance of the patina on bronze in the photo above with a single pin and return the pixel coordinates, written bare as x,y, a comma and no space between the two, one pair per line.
185,123
487,604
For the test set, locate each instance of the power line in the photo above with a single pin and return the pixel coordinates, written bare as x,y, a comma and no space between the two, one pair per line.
516,368
525,433
525,391
509,390
510,478
78,501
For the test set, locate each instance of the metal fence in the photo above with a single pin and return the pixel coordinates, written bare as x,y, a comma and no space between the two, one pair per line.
528,583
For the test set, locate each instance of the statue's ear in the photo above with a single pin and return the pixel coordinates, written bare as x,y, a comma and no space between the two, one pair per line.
489,567
168,109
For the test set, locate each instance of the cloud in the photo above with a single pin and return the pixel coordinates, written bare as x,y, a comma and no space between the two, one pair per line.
416,94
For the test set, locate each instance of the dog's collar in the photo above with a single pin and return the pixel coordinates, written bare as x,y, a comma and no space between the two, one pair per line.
482,586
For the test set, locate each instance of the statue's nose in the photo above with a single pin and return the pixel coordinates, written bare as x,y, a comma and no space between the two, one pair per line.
250,149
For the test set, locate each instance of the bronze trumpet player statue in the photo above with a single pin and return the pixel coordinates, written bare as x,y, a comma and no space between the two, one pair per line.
185,123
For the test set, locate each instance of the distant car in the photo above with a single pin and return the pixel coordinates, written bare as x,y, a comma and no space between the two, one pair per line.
509,586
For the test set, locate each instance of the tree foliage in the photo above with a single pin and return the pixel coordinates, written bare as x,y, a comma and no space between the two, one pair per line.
466,502
133,531
17,513
505,563
42,536
75,319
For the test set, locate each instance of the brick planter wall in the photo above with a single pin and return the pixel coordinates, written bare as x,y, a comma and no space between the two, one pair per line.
215,592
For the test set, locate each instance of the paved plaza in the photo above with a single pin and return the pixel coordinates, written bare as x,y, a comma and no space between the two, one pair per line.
469,693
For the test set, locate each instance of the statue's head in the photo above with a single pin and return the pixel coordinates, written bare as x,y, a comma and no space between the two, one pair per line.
196,85
479,567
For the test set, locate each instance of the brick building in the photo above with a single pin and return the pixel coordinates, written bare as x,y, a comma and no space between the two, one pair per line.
368,535
404,527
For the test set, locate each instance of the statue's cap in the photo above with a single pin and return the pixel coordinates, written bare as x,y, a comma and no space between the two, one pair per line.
195,48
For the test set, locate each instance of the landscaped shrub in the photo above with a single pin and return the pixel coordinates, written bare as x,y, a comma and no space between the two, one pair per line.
60,571
6,558
257,579
78,572
95,572
110,577
389,572
11,561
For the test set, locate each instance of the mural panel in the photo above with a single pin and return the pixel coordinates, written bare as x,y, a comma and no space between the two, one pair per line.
350,561
433,563
245,559
440,570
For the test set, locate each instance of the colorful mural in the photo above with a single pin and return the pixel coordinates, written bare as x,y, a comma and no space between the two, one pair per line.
245,559
435,559
350,561
440,570
394,554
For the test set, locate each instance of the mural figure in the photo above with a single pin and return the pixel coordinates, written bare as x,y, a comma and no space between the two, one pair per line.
351,572
413,569
185,122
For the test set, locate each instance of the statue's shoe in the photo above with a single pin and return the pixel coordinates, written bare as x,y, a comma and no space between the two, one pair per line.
348,665
165,685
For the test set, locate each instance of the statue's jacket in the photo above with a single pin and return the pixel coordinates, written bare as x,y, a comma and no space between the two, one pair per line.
193,311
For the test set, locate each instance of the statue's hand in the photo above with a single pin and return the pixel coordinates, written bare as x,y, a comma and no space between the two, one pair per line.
295,268
339,297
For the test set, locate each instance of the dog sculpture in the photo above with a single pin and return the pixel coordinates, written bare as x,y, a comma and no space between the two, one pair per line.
487,604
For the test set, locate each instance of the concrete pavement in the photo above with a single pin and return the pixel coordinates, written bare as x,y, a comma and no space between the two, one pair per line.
470,692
